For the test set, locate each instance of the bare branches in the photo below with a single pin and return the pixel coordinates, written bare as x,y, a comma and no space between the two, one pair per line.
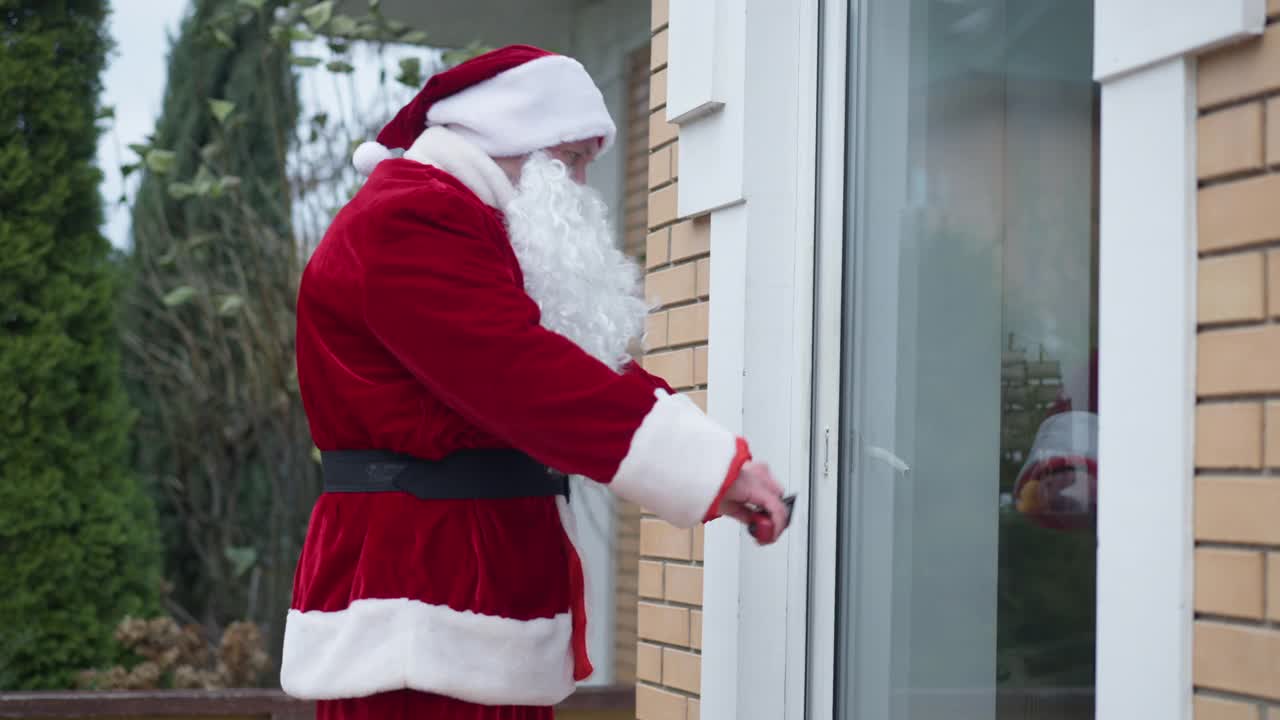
224,221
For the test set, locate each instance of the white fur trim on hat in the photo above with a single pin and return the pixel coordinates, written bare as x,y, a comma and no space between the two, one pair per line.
368,155
531,107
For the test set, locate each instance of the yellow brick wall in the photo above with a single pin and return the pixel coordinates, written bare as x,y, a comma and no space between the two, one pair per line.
1236,666
635,231
677,258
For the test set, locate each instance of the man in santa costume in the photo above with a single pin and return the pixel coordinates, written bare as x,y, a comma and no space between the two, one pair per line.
463,334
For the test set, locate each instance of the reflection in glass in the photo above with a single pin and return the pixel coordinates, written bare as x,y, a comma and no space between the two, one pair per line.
967,517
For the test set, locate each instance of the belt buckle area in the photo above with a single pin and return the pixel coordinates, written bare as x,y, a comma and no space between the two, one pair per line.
384,473
391,475
417,487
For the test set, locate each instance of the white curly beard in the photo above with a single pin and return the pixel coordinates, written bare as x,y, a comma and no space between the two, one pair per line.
587,289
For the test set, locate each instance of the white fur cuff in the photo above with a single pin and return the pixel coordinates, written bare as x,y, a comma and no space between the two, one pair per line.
678,461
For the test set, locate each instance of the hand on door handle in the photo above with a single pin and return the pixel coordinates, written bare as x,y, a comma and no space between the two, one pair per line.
755,499
762,525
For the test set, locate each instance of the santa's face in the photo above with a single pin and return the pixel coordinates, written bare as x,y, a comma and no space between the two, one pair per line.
576,156
588,290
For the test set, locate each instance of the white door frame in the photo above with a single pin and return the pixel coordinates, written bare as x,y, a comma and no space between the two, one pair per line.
828,308
742,86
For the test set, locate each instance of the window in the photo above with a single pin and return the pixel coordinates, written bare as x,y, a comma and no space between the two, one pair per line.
967,509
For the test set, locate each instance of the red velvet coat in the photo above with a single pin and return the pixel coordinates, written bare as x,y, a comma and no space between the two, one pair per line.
415,335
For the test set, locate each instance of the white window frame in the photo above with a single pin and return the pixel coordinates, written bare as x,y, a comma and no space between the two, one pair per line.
769,615
828,323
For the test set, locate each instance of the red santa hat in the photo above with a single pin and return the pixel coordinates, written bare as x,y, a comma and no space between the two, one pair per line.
508,102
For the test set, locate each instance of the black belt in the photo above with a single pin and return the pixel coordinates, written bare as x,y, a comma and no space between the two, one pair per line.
464,475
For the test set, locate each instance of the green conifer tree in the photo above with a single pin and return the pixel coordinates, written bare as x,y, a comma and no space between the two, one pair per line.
76,532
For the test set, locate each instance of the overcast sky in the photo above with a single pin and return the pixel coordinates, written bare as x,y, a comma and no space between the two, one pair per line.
134,85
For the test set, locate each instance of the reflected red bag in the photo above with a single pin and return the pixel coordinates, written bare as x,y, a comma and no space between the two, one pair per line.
1057,487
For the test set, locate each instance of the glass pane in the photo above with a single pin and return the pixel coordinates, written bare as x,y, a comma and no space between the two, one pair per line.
967,515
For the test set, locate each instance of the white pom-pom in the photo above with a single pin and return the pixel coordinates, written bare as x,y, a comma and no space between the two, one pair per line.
368,155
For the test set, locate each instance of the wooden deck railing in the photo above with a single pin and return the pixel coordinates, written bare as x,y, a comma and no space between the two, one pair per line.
591,703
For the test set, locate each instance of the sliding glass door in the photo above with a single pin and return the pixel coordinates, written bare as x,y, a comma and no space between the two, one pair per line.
967,488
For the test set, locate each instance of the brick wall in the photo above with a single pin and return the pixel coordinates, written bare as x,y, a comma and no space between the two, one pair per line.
635,227
677,256
1236,665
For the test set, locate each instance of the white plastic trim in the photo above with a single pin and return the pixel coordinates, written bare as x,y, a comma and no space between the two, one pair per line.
1133,34
713,149
755,599
1145,444
691,60
722,543
824,530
